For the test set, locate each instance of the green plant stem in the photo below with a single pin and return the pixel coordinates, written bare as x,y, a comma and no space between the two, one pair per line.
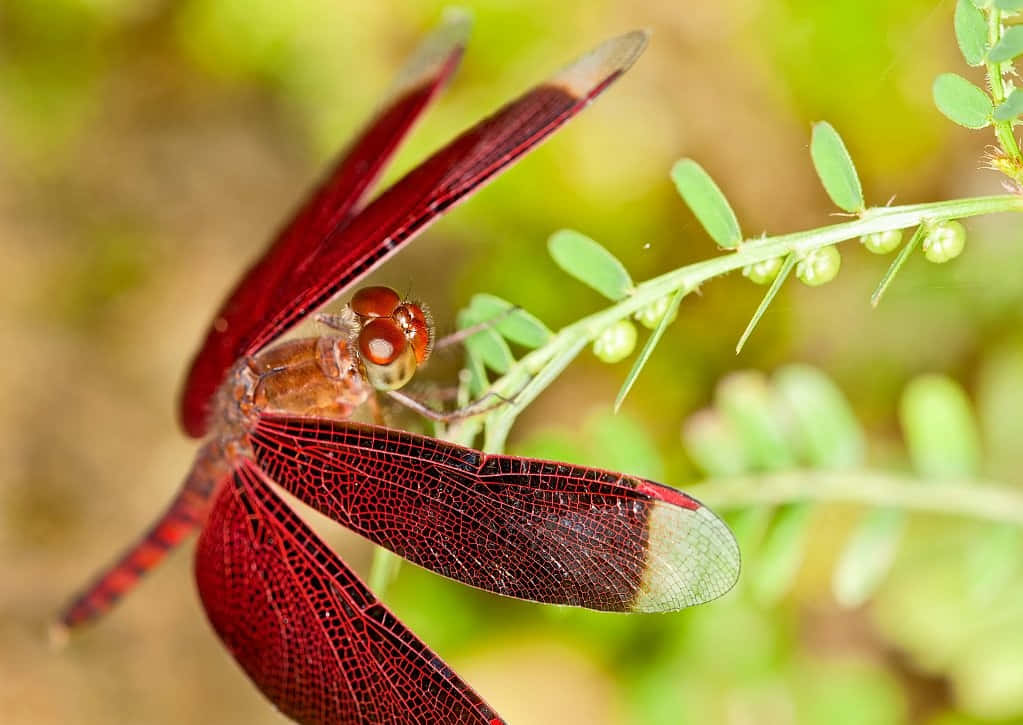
534,372
983,500
996,81
896,265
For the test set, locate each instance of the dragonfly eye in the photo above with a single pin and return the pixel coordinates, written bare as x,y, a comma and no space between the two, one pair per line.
375,302
418,328
389,358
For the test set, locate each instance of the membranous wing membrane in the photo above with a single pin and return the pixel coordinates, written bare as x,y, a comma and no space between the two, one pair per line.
310,634
531,529
340,249
328,207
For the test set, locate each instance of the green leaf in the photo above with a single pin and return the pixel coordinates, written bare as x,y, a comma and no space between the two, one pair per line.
772,291
707,202
590,263
1010,46
781,555
993,562
511,321
940,430
648,348
486,345
971,32
835,168
868,557
1010,107
961,101
712,442
827,433
1009,6
750,405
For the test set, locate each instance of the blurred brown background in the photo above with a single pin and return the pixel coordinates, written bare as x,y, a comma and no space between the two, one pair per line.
148,149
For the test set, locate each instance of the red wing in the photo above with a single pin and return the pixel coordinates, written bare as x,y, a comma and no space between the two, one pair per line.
445,179
548,532
330,205
311,636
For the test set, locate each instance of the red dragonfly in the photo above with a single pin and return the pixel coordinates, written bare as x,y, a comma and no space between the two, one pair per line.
303,626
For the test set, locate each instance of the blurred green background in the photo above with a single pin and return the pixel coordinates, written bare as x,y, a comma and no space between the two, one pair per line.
147,150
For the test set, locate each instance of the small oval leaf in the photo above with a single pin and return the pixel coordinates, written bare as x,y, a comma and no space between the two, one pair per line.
971,32
940,429
486,345
1010,46
868,557
961,101
835,168
590,263
511,321
781,554
707,202
1011,107
824,427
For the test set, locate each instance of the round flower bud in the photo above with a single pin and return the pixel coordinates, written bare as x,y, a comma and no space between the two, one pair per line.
651,315
944,241
882,242
762,272
819,266
616,342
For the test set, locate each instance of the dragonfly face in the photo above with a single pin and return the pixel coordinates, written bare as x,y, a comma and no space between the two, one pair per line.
308,632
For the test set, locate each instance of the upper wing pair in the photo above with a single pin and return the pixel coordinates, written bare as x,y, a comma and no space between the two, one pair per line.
331,243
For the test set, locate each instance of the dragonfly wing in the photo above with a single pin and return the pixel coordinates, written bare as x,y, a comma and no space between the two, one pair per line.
307,631
538,530
448,177
333,202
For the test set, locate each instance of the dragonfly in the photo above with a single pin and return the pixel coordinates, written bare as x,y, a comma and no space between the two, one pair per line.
307,631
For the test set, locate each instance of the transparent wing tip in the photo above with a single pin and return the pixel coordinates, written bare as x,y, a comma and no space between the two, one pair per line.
438,53
692,558
589,74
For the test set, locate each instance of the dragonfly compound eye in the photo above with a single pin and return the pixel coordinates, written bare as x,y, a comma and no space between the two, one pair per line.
375,302
418,328
389,359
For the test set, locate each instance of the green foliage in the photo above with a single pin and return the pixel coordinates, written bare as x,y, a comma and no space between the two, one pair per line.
707,202
590,263
961,101
835,168
971,32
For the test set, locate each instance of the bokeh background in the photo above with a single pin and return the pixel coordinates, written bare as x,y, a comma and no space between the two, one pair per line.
149,147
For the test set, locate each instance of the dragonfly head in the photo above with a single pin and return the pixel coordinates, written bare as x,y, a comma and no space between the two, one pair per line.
394,338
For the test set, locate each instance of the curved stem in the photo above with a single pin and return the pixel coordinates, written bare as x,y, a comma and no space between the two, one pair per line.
529,376
985,500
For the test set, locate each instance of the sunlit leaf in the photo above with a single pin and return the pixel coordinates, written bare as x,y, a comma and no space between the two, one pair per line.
1010,107
486,344
1010,6
835,168
940,430
971,32
993,561
868,557
750,405
826,430
1010,46
511,321
781,555
590,263
714,445
707,202
961,101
